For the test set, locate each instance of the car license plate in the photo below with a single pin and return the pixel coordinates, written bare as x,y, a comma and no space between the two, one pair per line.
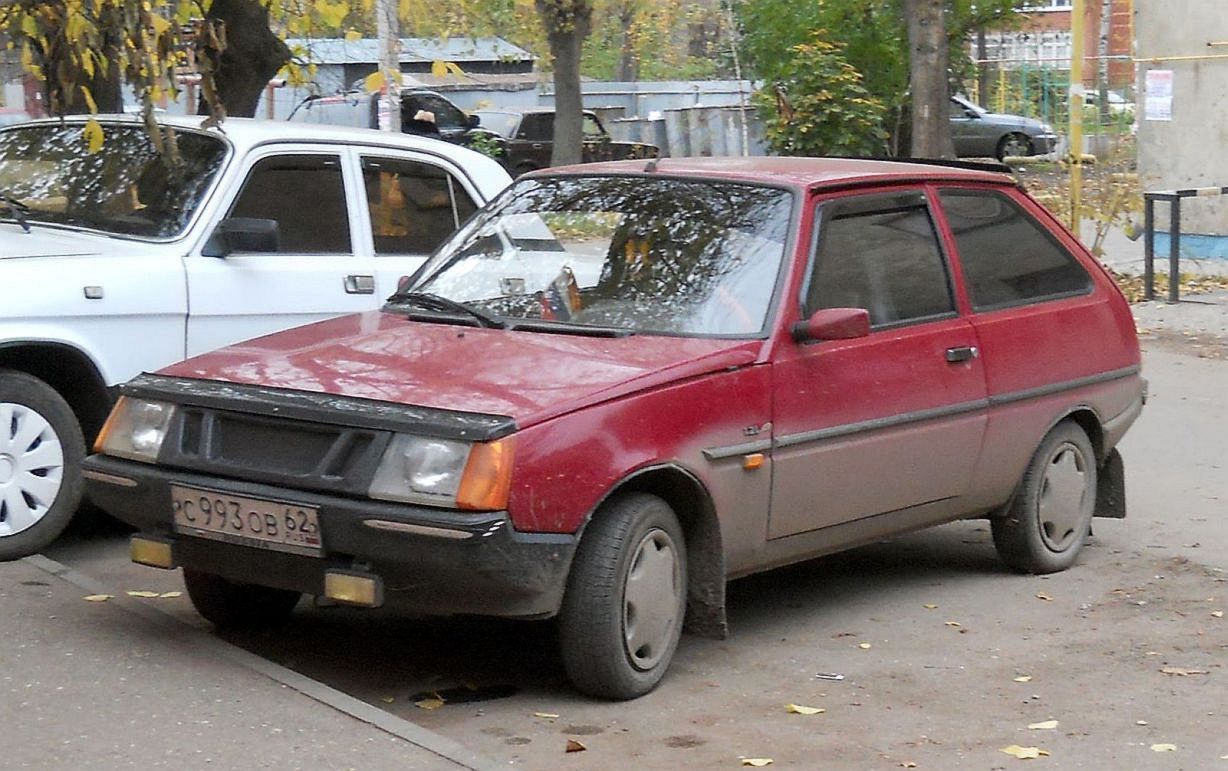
276,525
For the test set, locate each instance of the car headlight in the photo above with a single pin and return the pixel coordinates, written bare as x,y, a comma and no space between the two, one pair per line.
135,429
444,472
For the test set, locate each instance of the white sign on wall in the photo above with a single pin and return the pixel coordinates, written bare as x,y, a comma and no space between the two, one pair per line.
1158,96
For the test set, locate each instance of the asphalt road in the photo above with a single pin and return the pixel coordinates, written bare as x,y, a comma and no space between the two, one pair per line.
946,656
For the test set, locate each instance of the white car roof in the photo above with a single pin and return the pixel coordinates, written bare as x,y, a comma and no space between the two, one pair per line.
246,133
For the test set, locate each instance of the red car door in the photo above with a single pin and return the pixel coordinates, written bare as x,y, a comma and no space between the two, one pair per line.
888,421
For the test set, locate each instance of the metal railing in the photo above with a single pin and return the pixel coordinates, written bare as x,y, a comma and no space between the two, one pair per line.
1173,197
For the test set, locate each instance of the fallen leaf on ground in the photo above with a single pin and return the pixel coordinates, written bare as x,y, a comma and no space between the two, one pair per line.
865,646
908,764
170,595
97,597
429,704
1043,596
1183,672
1163,748
1217,613
1043,725
798,709
757,762
547,715
141,593
1023,679
954,624
1140,722
574,746
388,699
1024,753
929,606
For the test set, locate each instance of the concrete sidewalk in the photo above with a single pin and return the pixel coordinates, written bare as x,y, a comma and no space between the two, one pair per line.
119,684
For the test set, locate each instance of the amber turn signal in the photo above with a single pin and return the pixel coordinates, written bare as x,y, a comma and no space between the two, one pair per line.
488,476
101,439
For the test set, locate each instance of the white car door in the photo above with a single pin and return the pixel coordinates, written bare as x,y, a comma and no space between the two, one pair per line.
313,271
412,202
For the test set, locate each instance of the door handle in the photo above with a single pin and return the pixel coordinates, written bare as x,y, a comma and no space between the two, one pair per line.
360,284
961,353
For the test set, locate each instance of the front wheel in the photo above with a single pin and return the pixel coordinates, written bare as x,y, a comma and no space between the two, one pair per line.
1051,516
1014,146
626,597
41,449
233,605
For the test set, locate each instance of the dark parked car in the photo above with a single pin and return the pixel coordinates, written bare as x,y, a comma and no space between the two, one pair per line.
361,109
979,133
617,387
529,134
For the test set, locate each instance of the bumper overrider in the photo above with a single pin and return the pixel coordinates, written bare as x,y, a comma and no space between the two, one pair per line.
242,446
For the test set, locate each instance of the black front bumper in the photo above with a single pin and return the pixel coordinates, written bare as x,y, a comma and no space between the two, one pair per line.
451,562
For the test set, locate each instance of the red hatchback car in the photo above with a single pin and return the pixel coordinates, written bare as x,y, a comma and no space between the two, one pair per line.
620,385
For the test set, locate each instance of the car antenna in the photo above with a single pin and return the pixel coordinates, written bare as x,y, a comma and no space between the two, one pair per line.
651,166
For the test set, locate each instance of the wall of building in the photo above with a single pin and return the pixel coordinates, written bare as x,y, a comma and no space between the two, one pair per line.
1191,150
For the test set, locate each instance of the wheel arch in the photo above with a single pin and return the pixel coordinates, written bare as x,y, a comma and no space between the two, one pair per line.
1087,419
692,504
70,372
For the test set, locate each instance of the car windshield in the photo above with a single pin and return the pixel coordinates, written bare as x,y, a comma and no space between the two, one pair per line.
502,123
636,254
125,187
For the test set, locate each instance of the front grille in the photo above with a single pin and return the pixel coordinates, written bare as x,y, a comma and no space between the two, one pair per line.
294,453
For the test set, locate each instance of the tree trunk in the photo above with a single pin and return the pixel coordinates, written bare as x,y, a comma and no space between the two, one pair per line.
567,23
927,43
626,56
1102,70
252,55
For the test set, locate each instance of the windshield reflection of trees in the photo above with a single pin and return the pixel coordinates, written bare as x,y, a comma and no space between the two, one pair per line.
675,256
126,187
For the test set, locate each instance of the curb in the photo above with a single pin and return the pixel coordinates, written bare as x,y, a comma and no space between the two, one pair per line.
415,735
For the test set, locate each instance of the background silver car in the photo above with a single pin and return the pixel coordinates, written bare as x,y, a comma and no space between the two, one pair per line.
980,133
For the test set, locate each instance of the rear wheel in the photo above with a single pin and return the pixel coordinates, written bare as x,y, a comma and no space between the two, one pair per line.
1014,146
1051,516
41,449
626,597
233,605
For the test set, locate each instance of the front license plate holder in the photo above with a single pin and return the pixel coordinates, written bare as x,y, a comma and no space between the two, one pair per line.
260,523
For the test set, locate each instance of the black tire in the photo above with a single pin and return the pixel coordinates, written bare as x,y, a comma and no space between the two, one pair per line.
607,650
41,449
1013,145
1048,522
233,605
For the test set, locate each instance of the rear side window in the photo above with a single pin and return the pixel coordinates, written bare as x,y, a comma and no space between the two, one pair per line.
881,253
306,197
1008,257
537,127
413,206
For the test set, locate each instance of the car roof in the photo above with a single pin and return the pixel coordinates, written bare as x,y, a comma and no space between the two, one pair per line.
246,133
525,110
796,172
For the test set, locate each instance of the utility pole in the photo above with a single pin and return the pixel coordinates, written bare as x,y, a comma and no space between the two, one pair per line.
388,28
1076,113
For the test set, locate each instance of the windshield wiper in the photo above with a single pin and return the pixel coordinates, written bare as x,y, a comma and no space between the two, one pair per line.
17,210
433,302
567,328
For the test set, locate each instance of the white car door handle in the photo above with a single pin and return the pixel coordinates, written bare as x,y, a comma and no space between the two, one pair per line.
360,284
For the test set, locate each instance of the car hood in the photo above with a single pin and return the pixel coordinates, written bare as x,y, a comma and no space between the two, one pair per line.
44,242
1013,121
527,376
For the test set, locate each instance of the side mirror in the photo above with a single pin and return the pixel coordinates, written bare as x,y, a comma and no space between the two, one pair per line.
972,113
242,234
833,324
473,121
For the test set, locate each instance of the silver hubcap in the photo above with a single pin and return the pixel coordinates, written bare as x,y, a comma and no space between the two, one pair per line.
31,467
1063,493
1015,147
651,599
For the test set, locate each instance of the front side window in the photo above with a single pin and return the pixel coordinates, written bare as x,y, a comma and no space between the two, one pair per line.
880,253
305,195
126,187
635,254
413,206
1008,257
